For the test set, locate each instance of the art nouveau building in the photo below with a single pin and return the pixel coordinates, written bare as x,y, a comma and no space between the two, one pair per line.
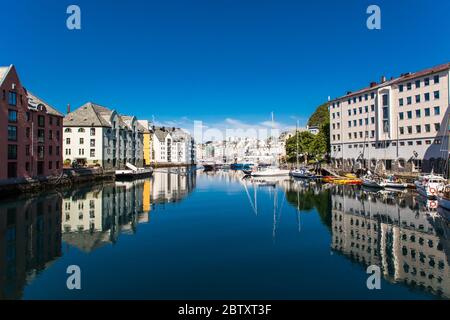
96,135
399,124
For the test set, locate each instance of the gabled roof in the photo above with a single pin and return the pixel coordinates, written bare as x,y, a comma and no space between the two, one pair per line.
88,115
161,133
3,73
35,101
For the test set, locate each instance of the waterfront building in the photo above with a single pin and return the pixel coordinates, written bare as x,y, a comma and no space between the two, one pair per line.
31,143
396,125
97,136
172,146
144,126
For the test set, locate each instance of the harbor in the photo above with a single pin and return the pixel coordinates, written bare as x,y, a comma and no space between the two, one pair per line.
252,237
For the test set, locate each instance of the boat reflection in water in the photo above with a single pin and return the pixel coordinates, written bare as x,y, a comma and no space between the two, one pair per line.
401,233
30,240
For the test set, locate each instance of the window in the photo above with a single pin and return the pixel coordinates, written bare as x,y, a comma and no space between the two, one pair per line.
385,99
81,140
12,133
372,95
27,150
409,129
366,109
41,135
67,140
360,110
57,150
81,130
427,128
437,111
366,97
50,120
400,115
360,122
68,152
12,115
437,126
349,112
426,81
436,95
427,112
41,121
436,78
402,130
50,165
408,100
417,98
92,142
400,101
12,152
418,142
349,124
408,86
418,113
409,113
81,152
418,128
437,141
67,130
12,98
92,131
427,96
400,88
41,151
417,83
92,153
50,150
372,120
57,135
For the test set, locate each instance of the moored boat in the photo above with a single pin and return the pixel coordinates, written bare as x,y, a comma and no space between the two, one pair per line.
430,185
444,198
393,182
271,171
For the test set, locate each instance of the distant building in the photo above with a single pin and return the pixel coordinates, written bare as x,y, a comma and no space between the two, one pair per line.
31,143
172,146
398,125
313,129
96,135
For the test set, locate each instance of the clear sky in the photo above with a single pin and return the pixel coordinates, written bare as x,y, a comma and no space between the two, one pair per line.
226,62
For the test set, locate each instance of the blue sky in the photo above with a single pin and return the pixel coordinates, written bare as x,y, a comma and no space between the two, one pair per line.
225,62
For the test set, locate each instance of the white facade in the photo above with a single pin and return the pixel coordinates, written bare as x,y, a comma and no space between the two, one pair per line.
173,146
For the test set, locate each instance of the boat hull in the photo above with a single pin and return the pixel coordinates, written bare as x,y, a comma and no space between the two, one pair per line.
277,173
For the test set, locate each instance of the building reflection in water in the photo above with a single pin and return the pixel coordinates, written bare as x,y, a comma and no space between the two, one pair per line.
168,186
402,234
30,240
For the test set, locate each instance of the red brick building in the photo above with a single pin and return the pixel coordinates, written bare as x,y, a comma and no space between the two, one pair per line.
31,132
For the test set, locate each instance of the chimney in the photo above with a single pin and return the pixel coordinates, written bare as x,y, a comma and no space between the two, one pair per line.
383,79
68,108
373,84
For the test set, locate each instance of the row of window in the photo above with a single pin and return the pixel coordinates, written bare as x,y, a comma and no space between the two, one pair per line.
417,98
409,129
12,134
81,141
81,152
92,130
12,151
393,143
426,82
418,113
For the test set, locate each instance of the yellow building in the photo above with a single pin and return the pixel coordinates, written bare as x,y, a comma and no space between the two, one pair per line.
147,141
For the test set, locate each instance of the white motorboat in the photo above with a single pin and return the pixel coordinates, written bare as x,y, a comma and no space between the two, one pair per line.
393,182
370,181
300,173
271,171
430,185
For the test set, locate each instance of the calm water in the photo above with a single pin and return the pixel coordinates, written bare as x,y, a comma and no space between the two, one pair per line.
198,235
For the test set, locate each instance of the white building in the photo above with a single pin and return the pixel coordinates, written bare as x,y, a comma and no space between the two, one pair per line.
172,146
96,135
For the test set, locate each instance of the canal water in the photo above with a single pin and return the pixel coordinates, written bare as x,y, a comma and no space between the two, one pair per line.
215,235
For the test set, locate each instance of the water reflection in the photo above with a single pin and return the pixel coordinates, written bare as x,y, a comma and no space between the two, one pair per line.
30,240
33,228
401,233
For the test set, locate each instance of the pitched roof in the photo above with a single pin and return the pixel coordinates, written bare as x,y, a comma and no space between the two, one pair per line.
403,77
34,101
144,126
88,115
3,72
161,133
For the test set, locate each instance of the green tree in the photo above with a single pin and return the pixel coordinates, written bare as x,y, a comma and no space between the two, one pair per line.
305,146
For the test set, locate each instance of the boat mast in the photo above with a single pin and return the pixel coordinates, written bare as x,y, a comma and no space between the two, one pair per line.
296,138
